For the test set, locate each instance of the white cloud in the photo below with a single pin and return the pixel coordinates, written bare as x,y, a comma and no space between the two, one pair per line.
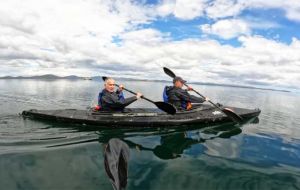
256,23
182,9
65,38
227,29
232,28
189,9
149,36
224,8
59,34
232,8
219,9
165,8
258,62
291,7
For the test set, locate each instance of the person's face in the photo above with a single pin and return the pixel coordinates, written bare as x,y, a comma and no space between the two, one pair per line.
110,85
178,84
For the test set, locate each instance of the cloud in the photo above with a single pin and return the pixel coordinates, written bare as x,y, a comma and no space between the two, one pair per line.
224,8
150,36
258,61
291,7
61,33
231,8
66,38
220,9
232,28
227,29
182,9
256,23
165,8
189,9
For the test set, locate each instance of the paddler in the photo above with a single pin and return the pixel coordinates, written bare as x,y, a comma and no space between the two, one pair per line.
111,100
179,97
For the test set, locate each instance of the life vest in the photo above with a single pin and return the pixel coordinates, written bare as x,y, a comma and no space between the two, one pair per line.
121,96
165,96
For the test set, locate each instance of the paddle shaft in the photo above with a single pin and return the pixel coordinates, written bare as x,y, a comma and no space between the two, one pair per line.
204,97
136,94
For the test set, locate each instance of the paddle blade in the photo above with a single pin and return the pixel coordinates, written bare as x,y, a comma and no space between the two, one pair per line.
166,107
230,113
169,72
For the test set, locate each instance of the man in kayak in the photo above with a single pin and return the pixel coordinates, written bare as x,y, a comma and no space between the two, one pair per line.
179,97
110,100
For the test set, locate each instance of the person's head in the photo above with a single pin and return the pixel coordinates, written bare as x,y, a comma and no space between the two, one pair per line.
178,82
109,84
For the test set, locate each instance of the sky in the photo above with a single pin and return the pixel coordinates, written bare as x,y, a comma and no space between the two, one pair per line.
241,42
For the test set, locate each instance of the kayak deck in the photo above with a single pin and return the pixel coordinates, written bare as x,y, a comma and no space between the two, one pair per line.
139,118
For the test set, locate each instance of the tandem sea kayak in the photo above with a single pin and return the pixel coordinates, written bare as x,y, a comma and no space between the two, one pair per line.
140,118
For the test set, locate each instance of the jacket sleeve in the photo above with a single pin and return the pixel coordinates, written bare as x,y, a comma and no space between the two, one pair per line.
184,95
115,102
195,99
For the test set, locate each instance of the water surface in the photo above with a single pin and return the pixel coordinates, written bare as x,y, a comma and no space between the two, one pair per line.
260,154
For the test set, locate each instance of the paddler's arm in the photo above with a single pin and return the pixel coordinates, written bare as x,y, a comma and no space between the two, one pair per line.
128,101
125,101
185,96
116,102
196,99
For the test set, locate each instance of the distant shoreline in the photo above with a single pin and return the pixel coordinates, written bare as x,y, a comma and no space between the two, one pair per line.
74,77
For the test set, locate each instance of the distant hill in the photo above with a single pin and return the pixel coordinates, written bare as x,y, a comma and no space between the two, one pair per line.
98,78
46,77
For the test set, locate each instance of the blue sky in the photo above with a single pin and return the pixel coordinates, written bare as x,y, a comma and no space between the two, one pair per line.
244,42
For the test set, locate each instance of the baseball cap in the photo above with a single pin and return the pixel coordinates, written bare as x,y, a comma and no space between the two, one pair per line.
178,79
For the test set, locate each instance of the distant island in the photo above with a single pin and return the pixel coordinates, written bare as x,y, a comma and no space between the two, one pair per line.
74,77
47,76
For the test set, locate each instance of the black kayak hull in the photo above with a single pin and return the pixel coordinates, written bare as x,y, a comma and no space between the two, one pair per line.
140,118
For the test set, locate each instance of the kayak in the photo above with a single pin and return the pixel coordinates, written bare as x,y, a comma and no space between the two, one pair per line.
140,118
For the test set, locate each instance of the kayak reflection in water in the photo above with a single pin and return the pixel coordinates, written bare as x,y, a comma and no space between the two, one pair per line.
173,145
110,100
179,97
116,157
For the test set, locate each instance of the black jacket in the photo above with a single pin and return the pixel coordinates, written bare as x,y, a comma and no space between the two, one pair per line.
114,101
179,97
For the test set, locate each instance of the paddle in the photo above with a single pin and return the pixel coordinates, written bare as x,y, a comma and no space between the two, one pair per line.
166,107
230,113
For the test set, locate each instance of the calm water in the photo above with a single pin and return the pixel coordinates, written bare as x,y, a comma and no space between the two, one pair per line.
41,155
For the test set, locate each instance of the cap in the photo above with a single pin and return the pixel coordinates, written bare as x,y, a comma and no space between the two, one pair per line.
178,79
